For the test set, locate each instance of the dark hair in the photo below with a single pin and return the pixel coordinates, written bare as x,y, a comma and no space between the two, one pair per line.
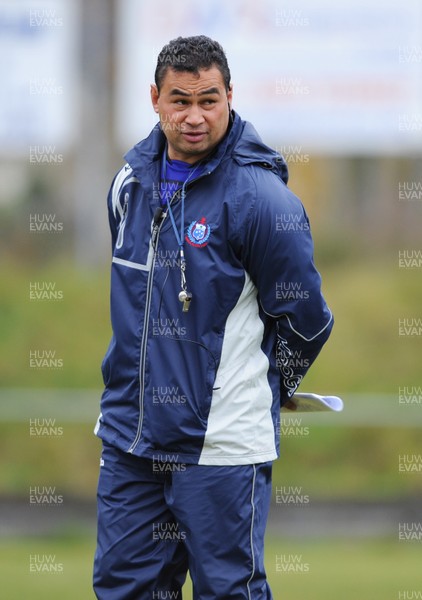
191,54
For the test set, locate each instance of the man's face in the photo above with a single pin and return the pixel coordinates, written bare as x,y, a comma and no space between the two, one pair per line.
193,110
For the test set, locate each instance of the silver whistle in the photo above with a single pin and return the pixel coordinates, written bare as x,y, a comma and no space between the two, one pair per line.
186,298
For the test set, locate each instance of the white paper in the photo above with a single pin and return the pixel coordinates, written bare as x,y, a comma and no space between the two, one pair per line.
314,403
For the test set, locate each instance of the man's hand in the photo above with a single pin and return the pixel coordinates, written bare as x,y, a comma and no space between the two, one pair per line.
290,405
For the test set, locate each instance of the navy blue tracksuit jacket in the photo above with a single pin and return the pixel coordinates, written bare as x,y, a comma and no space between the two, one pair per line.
205,386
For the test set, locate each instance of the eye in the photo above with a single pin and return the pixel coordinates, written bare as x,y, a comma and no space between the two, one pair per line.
181,102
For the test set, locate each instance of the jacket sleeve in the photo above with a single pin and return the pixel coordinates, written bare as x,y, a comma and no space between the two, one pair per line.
278,255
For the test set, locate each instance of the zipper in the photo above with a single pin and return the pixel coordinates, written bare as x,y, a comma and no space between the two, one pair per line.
156,225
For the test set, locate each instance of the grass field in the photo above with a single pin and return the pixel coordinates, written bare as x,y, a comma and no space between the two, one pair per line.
329,569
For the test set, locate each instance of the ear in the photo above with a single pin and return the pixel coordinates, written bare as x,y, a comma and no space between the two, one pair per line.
154,97
230,95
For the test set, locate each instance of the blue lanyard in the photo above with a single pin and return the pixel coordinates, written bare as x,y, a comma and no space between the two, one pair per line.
179,237
184,295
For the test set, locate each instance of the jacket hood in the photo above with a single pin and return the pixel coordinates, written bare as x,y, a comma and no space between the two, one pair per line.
250,149
242,143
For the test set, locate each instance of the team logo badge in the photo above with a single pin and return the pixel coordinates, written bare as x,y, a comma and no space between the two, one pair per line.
198,233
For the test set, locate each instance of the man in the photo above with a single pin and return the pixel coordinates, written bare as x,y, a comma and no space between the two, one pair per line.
213,289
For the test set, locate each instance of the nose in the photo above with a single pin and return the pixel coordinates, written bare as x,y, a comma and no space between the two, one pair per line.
194,117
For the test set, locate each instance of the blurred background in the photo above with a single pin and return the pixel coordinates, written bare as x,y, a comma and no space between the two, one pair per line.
336,87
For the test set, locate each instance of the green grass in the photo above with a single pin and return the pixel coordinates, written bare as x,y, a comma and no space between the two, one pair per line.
350,462
364,352
347,569
69,462
343,569
76,328
71,556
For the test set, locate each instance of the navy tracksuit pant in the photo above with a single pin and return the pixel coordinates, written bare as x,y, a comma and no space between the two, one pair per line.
158,519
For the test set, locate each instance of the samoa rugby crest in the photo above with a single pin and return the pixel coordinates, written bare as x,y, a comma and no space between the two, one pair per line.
198,233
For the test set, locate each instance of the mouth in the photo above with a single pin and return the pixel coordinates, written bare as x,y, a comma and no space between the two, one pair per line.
194,136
